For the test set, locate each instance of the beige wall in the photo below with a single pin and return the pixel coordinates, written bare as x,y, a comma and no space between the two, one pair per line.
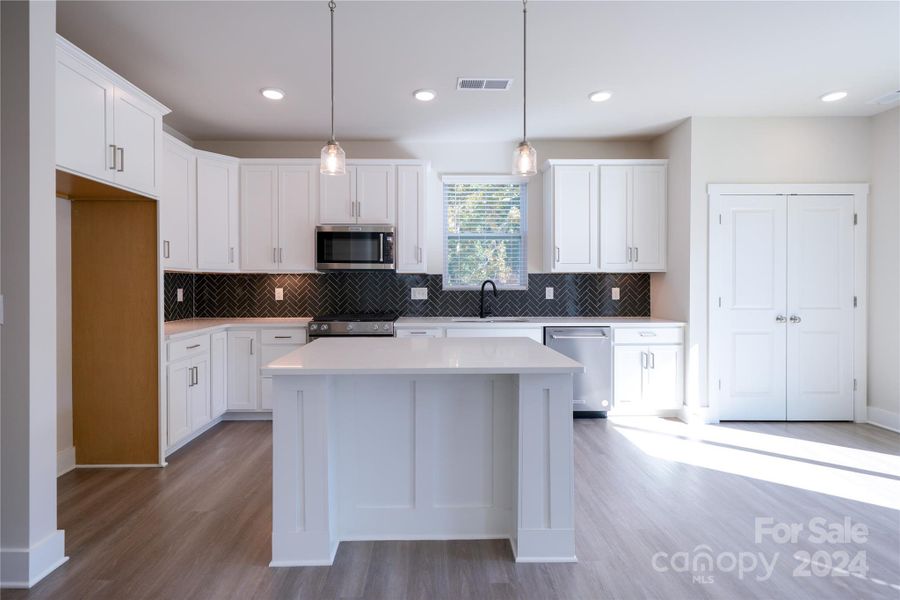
64,441
884,269
451,158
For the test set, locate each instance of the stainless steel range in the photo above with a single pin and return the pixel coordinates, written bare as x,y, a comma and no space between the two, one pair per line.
352,325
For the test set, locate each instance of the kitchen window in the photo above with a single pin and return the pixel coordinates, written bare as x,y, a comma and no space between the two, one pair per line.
485,232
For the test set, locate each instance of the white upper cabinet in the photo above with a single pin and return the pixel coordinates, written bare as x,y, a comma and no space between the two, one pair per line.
278,217
632,218
106,129
217,213
572,226
259,217
364,195
178,206
297,217
409,242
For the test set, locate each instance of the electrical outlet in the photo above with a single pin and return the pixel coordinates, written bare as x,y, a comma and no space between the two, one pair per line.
279,294
615,293
180,294
548,293
419,293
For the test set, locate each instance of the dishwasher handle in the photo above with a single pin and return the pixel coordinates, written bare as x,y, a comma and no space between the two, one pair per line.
602,336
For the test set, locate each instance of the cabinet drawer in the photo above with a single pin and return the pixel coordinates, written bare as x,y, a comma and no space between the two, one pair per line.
283,336
188,347
429,332
648,335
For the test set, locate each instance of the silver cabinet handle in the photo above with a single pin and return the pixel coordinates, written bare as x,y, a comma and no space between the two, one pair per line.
280,254
636,254
112,147
643,360
652,360
557,253
381,248
795,319
121,152
192,347
358,209
647,334
780,319
165,248
251,346
352,209
418,253
231,254
418,333
196,376
283,337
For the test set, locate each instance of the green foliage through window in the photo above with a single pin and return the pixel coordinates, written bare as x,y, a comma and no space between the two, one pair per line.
485,234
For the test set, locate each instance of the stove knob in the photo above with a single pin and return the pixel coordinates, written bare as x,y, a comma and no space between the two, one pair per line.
374,326
313,326
386,326
350,327
324,326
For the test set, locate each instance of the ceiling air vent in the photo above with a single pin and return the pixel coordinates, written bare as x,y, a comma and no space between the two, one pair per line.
889,98
482,84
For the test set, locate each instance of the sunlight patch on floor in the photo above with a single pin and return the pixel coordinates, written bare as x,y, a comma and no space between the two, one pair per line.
658,438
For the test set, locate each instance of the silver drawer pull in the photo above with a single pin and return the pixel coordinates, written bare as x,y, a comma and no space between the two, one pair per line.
579,337
192,347
647,334
418,333
283,337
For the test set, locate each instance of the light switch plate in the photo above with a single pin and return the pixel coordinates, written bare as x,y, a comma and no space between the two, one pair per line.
548,293
279,294
180,294
615,293
419,293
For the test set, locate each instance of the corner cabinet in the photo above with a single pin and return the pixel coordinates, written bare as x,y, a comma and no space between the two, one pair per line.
106,128
178,206
278,217
633,218
605,216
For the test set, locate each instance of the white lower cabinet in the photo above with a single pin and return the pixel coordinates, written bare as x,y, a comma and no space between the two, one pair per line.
430,332
647,378
243,370
535,333
189,405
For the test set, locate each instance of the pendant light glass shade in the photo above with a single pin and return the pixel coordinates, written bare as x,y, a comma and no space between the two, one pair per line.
524,156
334,160
524,159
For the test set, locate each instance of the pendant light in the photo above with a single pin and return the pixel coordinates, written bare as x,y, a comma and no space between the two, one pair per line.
524,156
333,160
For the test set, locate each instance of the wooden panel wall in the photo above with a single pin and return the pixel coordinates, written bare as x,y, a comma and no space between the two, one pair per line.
115,340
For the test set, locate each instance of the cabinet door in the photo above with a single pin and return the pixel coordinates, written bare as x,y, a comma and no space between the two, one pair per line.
615,207
84,111
648,218
664,376
575,219
409,243
138,129
297,195
535,333
259,217
628,377
337,198
178,206
178,416
218,373
375,195
243,370
217,214
270,353
201,410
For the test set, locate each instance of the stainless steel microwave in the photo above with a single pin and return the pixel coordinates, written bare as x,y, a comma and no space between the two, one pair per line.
354,247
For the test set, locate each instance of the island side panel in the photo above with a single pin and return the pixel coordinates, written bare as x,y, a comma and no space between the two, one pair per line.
545,517
302,514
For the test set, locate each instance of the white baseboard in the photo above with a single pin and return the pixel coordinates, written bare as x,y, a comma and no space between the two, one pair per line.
22,568
65,460
884,418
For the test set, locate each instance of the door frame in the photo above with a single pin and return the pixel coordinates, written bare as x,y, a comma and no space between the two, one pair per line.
858,193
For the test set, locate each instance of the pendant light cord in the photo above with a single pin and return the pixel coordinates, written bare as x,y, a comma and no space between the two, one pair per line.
331,6
524,69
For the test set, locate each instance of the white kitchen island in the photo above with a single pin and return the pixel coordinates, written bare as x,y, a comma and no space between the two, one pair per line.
421,438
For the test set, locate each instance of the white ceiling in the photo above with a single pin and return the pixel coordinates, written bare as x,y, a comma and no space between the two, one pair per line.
664,61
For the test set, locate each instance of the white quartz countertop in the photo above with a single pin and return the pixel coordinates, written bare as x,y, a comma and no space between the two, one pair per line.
188,327
535,321
422,356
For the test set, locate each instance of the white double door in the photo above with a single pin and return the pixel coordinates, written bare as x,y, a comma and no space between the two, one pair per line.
781,332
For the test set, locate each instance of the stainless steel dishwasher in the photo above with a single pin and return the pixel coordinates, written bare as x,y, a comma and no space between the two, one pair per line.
592,347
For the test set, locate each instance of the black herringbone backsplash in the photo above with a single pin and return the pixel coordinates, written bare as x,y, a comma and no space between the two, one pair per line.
253,295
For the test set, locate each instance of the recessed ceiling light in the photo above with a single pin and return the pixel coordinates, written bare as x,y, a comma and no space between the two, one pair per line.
425,95
602,96
834,96
272,93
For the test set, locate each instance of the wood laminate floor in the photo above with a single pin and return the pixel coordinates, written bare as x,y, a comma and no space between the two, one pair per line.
646,490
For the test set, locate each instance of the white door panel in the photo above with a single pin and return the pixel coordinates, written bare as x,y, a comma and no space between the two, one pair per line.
750,259
375,195
217,214
410,239
820,295
297,194
614,218
259,217
136,142
648,228
575,214
178,207
628,377
337,198
84,120
243,370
